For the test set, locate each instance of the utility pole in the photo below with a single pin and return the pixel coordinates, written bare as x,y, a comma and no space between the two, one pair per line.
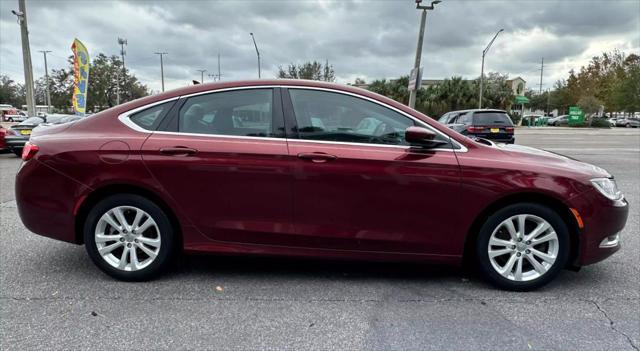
219,75
161,67
423,19
257,53
541,70
548,100
26,56
484,52
123,42
216,76
46,75
201,75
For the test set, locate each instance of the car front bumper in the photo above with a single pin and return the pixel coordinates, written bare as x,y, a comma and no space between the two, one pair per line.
603,221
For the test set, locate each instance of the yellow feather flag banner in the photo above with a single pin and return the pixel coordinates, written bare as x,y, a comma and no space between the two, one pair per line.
80,76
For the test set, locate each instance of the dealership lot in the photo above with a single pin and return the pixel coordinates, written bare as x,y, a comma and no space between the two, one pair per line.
52,296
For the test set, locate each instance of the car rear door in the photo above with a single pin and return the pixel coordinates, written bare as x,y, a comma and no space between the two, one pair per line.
222,157
365,189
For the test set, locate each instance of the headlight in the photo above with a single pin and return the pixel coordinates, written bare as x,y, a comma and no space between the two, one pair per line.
607,187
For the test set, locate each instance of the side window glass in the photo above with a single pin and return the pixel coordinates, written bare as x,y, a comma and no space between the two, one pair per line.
465,118
322,115
239,112
150,118
452,118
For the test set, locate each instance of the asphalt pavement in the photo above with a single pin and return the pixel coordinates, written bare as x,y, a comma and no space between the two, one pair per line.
52,296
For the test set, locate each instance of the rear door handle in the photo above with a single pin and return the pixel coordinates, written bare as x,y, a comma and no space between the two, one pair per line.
178,151
317,157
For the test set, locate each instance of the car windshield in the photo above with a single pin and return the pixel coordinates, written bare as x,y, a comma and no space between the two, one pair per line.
490,118
32,120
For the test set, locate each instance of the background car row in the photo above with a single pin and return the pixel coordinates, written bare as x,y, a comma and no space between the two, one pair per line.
12,139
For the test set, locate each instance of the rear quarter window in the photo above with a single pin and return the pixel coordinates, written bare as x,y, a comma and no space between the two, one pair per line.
150,118
491,118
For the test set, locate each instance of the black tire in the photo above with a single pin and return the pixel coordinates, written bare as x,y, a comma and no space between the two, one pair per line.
166,235
482,255
17,152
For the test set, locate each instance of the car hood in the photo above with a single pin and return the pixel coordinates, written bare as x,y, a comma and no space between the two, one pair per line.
552,162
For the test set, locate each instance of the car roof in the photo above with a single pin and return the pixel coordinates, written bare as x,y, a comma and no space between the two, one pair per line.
211,87
479,110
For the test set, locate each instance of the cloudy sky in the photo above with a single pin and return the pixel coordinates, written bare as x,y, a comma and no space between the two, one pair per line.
368,38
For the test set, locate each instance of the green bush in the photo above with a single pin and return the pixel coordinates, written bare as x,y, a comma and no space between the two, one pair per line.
515,118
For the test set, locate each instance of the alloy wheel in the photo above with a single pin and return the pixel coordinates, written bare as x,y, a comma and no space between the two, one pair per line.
523,247
127,238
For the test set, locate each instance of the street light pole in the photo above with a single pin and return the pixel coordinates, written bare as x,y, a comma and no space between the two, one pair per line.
26,56
484,52
46,75
123,42
257,53
423,19
201,75
161,67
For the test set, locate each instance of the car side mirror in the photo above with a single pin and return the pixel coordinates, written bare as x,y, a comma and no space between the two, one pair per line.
422,137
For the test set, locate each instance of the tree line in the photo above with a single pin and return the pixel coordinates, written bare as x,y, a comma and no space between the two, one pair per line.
609,83
106,78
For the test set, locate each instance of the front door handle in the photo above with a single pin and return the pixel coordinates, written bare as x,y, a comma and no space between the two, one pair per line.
317,157
178,151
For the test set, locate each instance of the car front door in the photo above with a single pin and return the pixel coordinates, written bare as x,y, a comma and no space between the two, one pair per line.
222,157
359,186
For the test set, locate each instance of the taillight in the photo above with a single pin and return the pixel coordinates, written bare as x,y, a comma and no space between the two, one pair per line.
29,150
509,129
473,129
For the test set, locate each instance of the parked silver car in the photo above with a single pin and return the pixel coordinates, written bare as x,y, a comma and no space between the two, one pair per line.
629,122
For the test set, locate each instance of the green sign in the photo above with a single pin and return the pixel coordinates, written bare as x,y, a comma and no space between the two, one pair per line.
576,116
521,100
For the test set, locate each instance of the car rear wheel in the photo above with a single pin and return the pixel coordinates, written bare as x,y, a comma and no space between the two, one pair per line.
129,237
17,152
522,247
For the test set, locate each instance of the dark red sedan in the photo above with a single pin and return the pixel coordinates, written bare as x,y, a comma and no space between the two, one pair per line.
301,168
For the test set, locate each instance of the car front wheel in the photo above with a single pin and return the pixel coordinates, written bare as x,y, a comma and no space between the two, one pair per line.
522,247
129,237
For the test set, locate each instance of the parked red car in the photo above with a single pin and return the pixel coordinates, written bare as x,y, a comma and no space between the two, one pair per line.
301,168
3,143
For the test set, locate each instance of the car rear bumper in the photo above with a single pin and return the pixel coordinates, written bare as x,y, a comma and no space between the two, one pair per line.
45,200
15,141
497,138
604,221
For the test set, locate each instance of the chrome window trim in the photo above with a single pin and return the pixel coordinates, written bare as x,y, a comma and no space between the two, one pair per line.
124,118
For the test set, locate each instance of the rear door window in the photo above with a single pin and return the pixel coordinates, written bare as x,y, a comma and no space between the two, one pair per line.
491,118
246,113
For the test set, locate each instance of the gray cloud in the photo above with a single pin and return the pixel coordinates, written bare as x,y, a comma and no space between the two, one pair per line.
370,39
